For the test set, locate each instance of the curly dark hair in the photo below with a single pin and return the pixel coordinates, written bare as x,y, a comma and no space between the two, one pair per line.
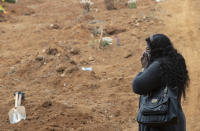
173,67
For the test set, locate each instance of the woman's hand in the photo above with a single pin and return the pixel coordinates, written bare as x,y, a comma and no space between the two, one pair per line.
145,60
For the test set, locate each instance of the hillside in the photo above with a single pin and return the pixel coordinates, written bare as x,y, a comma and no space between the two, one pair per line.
45,43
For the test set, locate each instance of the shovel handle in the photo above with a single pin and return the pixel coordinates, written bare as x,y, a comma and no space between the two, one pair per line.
16,99
20,99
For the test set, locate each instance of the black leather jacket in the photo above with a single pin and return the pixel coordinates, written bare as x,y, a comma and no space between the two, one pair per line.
147,81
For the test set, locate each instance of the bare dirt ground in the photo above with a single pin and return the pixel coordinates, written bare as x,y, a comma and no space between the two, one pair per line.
45,61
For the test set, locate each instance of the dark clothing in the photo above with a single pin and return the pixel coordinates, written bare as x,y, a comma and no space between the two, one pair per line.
148,81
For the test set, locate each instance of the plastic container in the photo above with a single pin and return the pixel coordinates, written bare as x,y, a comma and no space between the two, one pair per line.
87,69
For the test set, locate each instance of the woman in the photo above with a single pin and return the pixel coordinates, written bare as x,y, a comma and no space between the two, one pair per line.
162,65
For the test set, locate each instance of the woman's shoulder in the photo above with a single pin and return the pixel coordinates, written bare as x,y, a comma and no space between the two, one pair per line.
162,61
155,63
155,66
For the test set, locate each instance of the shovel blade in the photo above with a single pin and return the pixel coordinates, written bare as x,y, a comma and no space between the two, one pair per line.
17,114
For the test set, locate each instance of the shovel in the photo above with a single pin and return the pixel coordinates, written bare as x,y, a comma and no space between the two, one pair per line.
17,113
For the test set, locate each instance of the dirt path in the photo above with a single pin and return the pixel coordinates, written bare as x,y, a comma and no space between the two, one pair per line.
183,27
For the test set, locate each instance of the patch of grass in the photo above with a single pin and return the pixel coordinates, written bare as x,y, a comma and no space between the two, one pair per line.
105,43
132,4
93,42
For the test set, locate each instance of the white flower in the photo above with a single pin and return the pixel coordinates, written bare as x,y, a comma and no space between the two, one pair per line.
132,1
86,2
